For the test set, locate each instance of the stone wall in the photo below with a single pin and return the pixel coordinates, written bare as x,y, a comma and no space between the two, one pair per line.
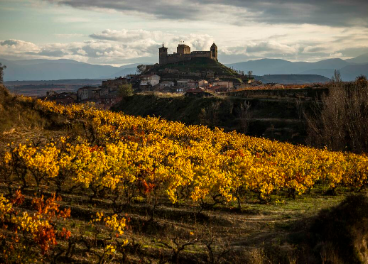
183,55
174,58
201,54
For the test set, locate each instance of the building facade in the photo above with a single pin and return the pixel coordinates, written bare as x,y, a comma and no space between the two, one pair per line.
115,83
184,54
226,84
151,79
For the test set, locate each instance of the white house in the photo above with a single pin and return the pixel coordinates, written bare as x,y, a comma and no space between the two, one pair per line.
151,80
166,84
183,82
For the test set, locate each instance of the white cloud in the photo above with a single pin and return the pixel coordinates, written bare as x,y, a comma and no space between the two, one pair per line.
17,48
106,47
127,35
124,46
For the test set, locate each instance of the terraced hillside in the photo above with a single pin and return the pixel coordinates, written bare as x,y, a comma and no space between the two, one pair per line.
92,186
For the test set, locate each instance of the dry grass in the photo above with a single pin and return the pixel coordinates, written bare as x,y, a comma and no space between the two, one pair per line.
162,94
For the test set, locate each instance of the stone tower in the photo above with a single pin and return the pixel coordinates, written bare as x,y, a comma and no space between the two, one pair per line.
183,49
214,51
162,55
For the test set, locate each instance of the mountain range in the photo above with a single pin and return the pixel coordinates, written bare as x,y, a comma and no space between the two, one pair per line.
349,69
31,70
70,69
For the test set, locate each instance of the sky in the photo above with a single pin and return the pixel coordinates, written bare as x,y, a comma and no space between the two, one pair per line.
120,32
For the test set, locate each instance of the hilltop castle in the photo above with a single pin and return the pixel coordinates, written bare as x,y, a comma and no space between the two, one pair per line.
184,54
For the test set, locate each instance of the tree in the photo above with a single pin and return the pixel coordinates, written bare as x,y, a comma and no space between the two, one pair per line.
125,90
336,78
250,74
340,120
245,116
2,67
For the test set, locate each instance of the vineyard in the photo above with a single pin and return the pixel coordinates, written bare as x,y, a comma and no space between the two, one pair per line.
109,187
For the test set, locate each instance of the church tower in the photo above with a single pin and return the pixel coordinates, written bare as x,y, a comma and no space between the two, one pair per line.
162,55
214,51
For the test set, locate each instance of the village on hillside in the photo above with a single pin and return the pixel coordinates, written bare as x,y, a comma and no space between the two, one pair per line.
174,73
107,94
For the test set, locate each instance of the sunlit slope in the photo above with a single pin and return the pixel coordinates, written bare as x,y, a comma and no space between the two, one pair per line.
182,163
15,113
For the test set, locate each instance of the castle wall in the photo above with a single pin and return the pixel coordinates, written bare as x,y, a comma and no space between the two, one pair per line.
184,54
201,54
174,58
163,59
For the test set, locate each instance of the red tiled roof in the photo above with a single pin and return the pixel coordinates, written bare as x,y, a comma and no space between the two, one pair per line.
195,90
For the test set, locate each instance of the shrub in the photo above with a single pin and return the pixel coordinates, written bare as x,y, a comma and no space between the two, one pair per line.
125,90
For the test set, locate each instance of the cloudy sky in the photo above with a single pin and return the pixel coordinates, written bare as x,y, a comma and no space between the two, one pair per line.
119,32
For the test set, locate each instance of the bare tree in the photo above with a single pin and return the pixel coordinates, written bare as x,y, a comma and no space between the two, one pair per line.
177,245
336,78
245,116
340,121
250,74
2,67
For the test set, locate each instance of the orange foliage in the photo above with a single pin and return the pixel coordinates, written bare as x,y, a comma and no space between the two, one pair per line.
45,237
18,199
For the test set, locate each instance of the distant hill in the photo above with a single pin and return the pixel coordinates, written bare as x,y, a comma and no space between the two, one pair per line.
329,64
349,69
40,88
292,78
350,72
69,69
125,70
264,66
56,82
61,69
362,59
